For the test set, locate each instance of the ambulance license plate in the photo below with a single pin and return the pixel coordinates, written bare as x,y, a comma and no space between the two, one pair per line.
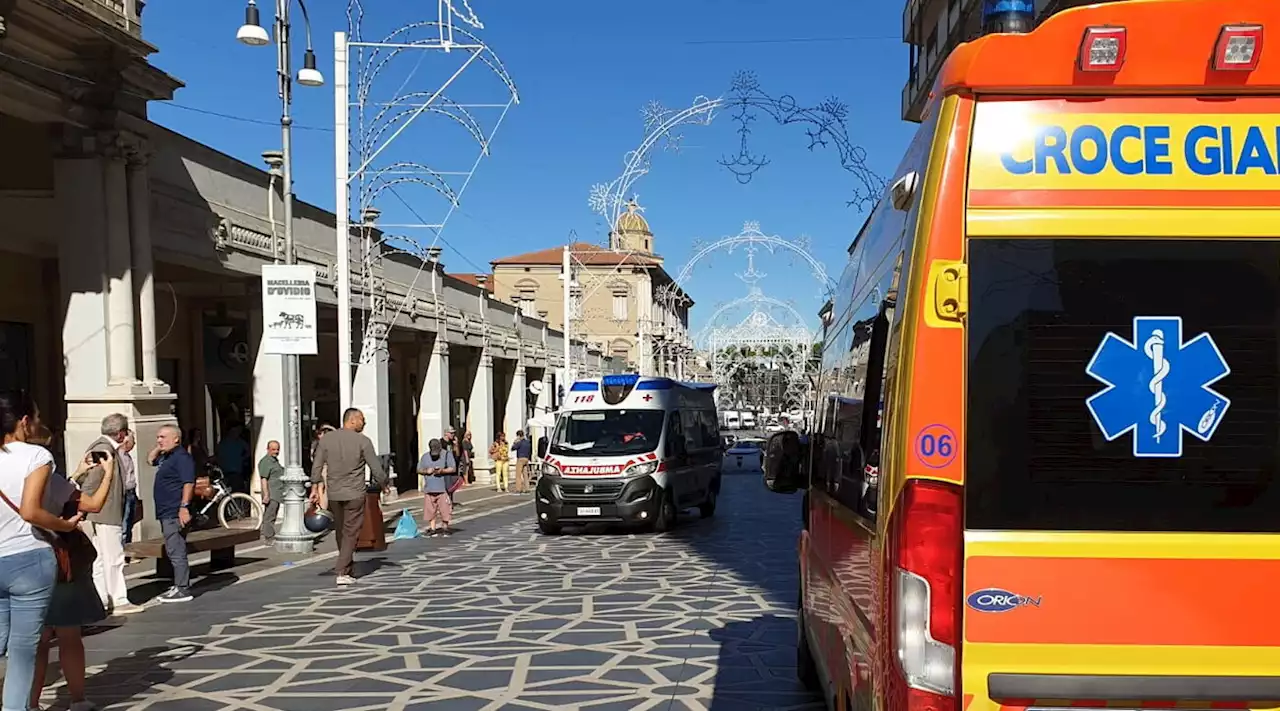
588,510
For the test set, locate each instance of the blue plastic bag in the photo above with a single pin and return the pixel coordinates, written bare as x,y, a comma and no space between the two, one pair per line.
406,527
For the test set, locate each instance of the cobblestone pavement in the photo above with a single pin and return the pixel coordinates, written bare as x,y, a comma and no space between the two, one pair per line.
498,617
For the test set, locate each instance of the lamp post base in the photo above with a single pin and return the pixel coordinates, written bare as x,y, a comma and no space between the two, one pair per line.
293,536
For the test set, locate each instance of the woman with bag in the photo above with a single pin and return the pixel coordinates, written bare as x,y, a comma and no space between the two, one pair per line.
75,602
31,494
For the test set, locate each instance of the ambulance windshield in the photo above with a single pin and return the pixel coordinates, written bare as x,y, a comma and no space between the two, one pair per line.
607,433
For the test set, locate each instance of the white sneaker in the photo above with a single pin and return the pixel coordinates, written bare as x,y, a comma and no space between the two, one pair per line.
346,580
125,608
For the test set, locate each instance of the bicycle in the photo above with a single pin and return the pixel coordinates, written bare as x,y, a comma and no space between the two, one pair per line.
233,509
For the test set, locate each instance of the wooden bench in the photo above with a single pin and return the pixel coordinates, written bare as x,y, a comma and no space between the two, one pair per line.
220,543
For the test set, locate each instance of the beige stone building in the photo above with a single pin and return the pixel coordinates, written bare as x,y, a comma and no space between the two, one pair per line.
621,297
131,260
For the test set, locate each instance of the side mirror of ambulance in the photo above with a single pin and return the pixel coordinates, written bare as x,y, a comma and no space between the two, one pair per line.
904,190
782,459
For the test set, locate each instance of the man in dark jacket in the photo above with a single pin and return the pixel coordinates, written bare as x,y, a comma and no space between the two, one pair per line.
346,453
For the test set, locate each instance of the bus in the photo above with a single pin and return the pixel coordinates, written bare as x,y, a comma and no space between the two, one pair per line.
631,450
1068,302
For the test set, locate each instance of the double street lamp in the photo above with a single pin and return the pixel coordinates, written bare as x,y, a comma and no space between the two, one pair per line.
293,536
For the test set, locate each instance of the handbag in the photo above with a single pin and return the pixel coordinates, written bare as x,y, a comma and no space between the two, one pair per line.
203,488
73,550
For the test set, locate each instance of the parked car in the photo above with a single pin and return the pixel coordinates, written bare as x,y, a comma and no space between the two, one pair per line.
746,455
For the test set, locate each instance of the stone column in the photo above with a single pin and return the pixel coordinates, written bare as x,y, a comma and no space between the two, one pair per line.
433,400
370,390
94,264
517,417
143,268
480,419
268,392
81,208
121,354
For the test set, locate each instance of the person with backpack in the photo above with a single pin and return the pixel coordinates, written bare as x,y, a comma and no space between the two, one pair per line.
437,468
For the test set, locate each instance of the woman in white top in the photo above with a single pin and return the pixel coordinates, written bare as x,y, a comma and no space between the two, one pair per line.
28,571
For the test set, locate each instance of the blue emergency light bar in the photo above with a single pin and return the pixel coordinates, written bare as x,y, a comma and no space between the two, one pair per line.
1008,16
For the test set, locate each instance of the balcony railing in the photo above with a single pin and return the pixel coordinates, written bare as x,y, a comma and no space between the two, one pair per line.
124,14
922,76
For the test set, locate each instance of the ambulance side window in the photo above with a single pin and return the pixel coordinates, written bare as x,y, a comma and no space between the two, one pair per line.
859,420
675,436
691,423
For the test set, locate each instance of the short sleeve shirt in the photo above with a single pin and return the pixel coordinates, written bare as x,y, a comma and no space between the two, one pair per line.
436,484
175,470
20,459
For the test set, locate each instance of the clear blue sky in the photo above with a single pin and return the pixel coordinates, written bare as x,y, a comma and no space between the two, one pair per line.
584,69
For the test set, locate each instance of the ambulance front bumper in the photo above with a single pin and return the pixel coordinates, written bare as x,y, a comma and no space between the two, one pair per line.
586,500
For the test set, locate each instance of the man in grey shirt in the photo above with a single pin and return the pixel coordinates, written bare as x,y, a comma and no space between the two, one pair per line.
271,472
346,453
107,525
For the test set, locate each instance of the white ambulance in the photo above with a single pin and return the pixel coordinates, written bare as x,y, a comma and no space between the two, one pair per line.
630,450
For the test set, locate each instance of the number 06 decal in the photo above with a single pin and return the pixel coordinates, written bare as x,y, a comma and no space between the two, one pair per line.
936,446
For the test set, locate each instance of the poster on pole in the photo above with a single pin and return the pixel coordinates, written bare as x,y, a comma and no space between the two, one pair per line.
289,309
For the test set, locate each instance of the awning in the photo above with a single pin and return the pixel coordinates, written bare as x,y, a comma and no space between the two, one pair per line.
544,419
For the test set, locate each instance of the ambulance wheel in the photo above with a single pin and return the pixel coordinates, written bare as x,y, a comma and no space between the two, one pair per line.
708,508
666,519
548,529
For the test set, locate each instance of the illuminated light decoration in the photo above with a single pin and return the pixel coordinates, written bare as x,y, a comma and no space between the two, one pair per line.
1238,48
1008,16
1103,49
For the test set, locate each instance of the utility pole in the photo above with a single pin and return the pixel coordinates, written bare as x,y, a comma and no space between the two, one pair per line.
293,536
342,209
566,275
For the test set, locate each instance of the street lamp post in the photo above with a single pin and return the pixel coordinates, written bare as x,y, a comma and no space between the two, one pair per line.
293,536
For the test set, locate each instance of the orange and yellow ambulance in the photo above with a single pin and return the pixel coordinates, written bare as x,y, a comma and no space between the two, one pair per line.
1046,465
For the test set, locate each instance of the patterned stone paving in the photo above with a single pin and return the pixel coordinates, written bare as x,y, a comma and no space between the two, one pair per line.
505,618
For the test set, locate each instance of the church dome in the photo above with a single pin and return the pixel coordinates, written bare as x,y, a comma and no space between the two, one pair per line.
632,220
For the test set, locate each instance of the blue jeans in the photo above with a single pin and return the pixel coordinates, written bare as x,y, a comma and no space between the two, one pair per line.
130,505
26,584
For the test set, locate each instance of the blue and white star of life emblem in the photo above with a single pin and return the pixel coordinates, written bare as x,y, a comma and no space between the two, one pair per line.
1158,386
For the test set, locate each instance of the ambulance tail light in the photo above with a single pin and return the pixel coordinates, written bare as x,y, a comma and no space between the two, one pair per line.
1238,48
924,610
1103,49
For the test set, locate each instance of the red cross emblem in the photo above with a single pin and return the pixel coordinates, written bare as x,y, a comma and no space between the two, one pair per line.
647,398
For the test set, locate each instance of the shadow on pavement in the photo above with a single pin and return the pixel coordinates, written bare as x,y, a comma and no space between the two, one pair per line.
752,539
369,566
203,583
756,668
754,536
122,678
